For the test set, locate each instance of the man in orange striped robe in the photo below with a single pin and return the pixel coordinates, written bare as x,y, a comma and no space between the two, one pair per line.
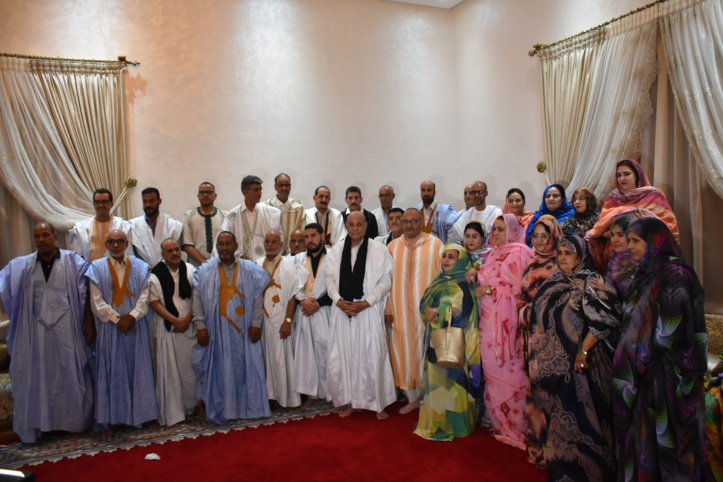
417,258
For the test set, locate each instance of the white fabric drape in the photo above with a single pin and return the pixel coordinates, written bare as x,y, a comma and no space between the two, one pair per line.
693,40
567,75
619,103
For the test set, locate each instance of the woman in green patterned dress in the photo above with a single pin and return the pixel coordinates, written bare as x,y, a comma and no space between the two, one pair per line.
451,398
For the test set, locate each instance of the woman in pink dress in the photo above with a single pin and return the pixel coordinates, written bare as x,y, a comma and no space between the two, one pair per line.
499,289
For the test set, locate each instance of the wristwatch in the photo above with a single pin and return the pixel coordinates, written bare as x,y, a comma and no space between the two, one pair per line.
288,320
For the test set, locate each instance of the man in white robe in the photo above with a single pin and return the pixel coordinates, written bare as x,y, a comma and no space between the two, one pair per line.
358,279
395,227
87,238
311,322
152,228
171,296
354,203
251,220
44,294
287,279
201,224
386,203
124,387
292,210
437,218
297,242
329,218
482,212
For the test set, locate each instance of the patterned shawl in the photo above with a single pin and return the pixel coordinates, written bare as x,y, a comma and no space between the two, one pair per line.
523,218
580,223
565,211
544,264
620,202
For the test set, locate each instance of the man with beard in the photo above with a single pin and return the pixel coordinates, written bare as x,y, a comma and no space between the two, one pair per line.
45,295
251,220
354,203
228,309
201,224
297,243
287,279
358,278
417,258
481,212
152,228
437,218
312,320
124,391
395,227
171,297
330,219
87,238
292,210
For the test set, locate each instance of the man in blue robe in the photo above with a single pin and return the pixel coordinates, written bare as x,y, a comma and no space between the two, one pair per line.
228,313
44,294
125,391
437,218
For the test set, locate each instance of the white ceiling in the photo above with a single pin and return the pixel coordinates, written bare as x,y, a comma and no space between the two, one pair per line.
448,4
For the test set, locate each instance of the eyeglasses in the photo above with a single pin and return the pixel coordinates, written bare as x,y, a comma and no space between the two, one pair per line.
112,242
101,201
206,193
223,244
540,236
410,221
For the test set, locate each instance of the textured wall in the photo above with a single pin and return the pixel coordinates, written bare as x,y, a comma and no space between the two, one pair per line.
330,91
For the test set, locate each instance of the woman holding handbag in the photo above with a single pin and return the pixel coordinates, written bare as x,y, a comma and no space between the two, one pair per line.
452,369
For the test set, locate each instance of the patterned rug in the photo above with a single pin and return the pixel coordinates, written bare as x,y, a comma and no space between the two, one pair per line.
52,448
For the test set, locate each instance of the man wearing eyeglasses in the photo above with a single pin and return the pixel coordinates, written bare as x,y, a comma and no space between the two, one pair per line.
417,260
87,238
292,210
152,228
437,218
386,203
395,226
481,212
125,389
201,224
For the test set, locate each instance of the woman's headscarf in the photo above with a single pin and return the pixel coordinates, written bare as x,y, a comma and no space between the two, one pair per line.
478,256
515,231
565,211
523,218
543,265
622,266
576,244
642,178
553,227
661,245
444,293
461,266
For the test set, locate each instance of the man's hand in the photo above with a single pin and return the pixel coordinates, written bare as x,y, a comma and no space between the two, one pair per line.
389,319
202,335
285,330
254,334
432,315
180,325
126,324
358,306
346,307
89,331
309,306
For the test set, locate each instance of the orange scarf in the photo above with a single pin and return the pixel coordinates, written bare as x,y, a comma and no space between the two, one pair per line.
120,292
226,294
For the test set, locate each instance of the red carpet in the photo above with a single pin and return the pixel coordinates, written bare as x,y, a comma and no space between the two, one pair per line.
323,448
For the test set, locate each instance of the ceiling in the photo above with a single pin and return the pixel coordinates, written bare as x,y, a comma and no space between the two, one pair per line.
448,4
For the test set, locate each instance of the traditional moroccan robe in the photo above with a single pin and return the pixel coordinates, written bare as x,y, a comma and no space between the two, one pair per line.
287,279
231,374
50,366
312,333
125,390
486,217
439,221
292,217
359,371
199,230
416,264
372,226
382,221
264,219
84,240
333,225
175,379
147,246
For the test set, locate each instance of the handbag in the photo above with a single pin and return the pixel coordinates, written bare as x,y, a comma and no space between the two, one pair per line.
448,344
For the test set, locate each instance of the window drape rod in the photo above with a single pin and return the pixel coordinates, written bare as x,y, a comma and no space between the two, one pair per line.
537,48
121,58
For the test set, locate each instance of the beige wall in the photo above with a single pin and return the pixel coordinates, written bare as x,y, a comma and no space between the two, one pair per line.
330,91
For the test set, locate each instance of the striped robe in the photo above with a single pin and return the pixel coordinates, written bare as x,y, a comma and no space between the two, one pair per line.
416,263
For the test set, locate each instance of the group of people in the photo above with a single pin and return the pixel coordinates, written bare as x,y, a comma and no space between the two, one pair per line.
581,330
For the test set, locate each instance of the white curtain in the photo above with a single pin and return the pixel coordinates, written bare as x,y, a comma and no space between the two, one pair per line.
619,103
62,135
693,40
567,75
